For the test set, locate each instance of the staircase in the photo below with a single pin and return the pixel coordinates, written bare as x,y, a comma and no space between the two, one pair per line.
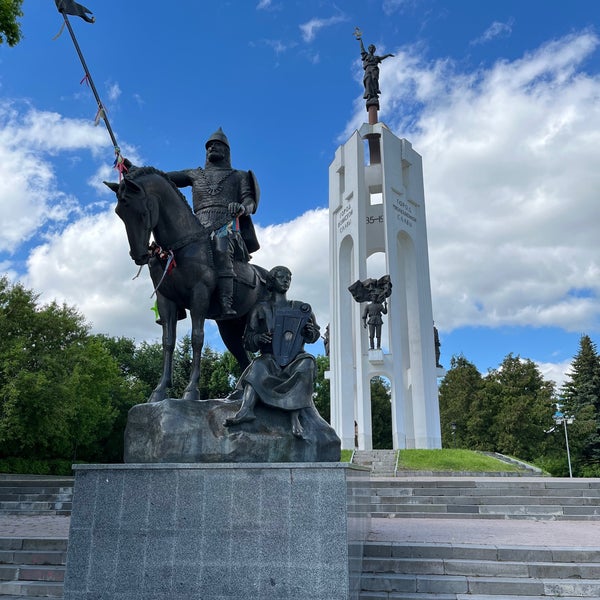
393,570
542,498
32,568
35,495
409,571
381,462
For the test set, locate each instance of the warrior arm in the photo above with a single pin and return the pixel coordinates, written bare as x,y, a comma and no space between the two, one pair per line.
247,201
180,178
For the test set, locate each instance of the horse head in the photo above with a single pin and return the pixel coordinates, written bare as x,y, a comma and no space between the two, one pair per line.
139,212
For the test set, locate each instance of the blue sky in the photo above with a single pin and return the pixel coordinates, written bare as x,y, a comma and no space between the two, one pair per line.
502,100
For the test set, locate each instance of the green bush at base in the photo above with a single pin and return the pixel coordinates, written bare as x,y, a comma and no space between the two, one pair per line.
33,466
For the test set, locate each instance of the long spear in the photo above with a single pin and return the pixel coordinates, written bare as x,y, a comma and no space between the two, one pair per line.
69,7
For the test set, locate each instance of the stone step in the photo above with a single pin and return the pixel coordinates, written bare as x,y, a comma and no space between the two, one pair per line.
34,544
16,572
419,571
32,567
12,597
33,557
417,596
35,505
474,516
402,550
30,495
493,511
492,586
479,568
35,589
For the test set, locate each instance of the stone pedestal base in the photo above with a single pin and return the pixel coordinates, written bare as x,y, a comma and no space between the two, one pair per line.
218,531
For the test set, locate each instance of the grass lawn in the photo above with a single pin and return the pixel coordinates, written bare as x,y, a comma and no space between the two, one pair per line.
346,456
451,460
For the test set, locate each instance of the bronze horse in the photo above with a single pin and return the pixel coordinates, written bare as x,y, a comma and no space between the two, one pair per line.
181,268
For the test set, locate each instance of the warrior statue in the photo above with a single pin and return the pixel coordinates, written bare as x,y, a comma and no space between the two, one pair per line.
223,199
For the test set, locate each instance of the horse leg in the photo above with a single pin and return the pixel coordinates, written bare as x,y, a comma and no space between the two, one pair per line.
191,391
168,316
232,334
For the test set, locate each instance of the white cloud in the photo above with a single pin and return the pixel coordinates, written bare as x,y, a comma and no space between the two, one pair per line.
88,266
29,195
113,91
310,28
556,372
391,6
496,30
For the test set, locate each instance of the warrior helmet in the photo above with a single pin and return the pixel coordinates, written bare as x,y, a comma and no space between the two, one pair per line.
218,136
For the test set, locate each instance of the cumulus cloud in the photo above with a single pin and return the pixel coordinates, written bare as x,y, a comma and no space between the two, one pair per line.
29,194
556,372
87,265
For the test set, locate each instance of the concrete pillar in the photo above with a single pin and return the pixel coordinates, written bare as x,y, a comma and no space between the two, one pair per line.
379,207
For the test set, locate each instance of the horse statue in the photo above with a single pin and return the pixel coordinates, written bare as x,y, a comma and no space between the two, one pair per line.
182,270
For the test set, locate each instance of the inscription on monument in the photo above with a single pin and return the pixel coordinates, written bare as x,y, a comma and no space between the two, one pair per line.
405,211
344,219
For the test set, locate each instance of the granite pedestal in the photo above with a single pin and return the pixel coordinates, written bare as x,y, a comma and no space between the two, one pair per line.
217,531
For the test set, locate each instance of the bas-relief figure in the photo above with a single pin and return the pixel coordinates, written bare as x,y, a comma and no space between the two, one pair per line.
376,292
372,318
437,344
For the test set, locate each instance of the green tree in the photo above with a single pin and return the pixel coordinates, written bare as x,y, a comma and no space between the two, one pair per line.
460,409
146,366
133,390
223,377
524,403
581,398
321,396
57,384
381,414
10,30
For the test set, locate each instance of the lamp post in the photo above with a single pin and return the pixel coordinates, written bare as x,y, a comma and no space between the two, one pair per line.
560,417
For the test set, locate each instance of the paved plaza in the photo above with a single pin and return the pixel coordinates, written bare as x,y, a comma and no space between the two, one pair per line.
453,531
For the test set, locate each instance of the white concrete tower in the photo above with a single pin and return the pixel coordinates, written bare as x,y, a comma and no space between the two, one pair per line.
379,207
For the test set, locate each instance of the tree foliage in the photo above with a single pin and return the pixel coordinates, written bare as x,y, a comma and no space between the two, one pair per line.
10,30
523,403
460,405
381,414
321,396
58,384
581,399
506,411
